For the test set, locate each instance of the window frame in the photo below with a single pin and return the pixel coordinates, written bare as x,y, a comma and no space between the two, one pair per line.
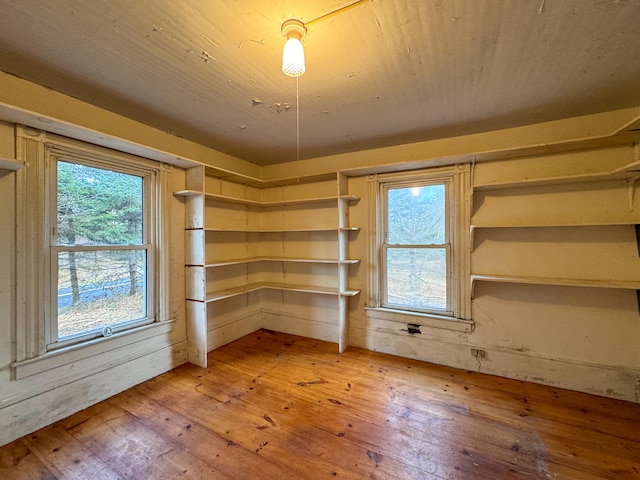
457,181
149,183
35,290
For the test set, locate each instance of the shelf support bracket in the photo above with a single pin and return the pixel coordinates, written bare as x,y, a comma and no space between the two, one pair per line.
631,185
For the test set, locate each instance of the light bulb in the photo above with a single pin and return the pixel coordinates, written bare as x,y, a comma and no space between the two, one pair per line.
293,58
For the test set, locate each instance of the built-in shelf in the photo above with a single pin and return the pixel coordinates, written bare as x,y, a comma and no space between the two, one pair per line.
623,223
253,181
281,230
566,282
257,203
558,224
625,171
601,204
11,164
240,261
232,292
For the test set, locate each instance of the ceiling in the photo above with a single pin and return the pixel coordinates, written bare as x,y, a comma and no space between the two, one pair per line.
386,72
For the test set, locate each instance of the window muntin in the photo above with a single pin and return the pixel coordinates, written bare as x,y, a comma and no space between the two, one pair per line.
101,251
416,249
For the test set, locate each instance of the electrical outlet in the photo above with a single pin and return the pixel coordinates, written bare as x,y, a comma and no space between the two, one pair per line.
476,353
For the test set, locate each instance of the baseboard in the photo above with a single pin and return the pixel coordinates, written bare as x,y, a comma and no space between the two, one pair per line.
297,325
47,407
612,381
234,329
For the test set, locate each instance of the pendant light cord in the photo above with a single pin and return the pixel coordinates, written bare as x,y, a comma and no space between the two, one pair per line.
297,121
297,129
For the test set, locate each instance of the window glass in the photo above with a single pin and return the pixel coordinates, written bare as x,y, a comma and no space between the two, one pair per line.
98,207
100,288
416,215
417,278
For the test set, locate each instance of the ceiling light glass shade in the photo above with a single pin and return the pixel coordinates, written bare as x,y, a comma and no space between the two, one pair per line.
293,58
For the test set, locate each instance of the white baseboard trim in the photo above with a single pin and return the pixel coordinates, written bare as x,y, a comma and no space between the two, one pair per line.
297,325
234,329
612,381
36,410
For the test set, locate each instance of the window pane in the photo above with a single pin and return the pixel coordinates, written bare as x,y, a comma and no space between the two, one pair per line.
98,207
100,288
416,215
417,277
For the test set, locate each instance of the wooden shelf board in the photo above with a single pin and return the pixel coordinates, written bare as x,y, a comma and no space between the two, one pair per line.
291,230
232,292
536,182
239,261
187,193
256,203
552,225
245,179
307,201
564,282
11,164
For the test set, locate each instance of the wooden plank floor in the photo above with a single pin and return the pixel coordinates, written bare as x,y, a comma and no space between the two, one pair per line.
276,406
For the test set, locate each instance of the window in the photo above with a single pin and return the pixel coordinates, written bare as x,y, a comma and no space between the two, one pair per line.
420,257
92,256
100,249
416,252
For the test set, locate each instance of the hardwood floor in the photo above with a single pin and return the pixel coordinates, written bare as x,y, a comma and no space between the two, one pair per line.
275,406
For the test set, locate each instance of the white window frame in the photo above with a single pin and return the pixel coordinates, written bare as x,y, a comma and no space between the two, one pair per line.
36,349
457,315
114,163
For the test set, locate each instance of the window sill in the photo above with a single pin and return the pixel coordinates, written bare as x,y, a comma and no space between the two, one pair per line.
75,353
422,319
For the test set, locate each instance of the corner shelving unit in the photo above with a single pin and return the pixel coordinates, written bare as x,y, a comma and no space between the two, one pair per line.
252,224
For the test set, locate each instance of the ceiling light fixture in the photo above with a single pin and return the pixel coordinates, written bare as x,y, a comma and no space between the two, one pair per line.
294,30
293,56
293,52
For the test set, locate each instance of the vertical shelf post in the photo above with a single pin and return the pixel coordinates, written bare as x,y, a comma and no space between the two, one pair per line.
196,309
343,267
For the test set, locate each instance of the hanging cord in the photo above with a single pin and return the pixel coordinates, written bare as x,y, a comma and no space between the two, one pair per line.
297,130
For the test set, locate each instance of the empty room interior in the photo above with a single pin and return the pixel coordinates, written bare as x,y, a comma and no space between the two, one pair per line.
320,239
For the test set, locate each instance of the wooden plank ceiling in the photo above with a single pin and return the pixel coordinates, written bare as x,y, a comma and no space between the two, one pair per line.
384,73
